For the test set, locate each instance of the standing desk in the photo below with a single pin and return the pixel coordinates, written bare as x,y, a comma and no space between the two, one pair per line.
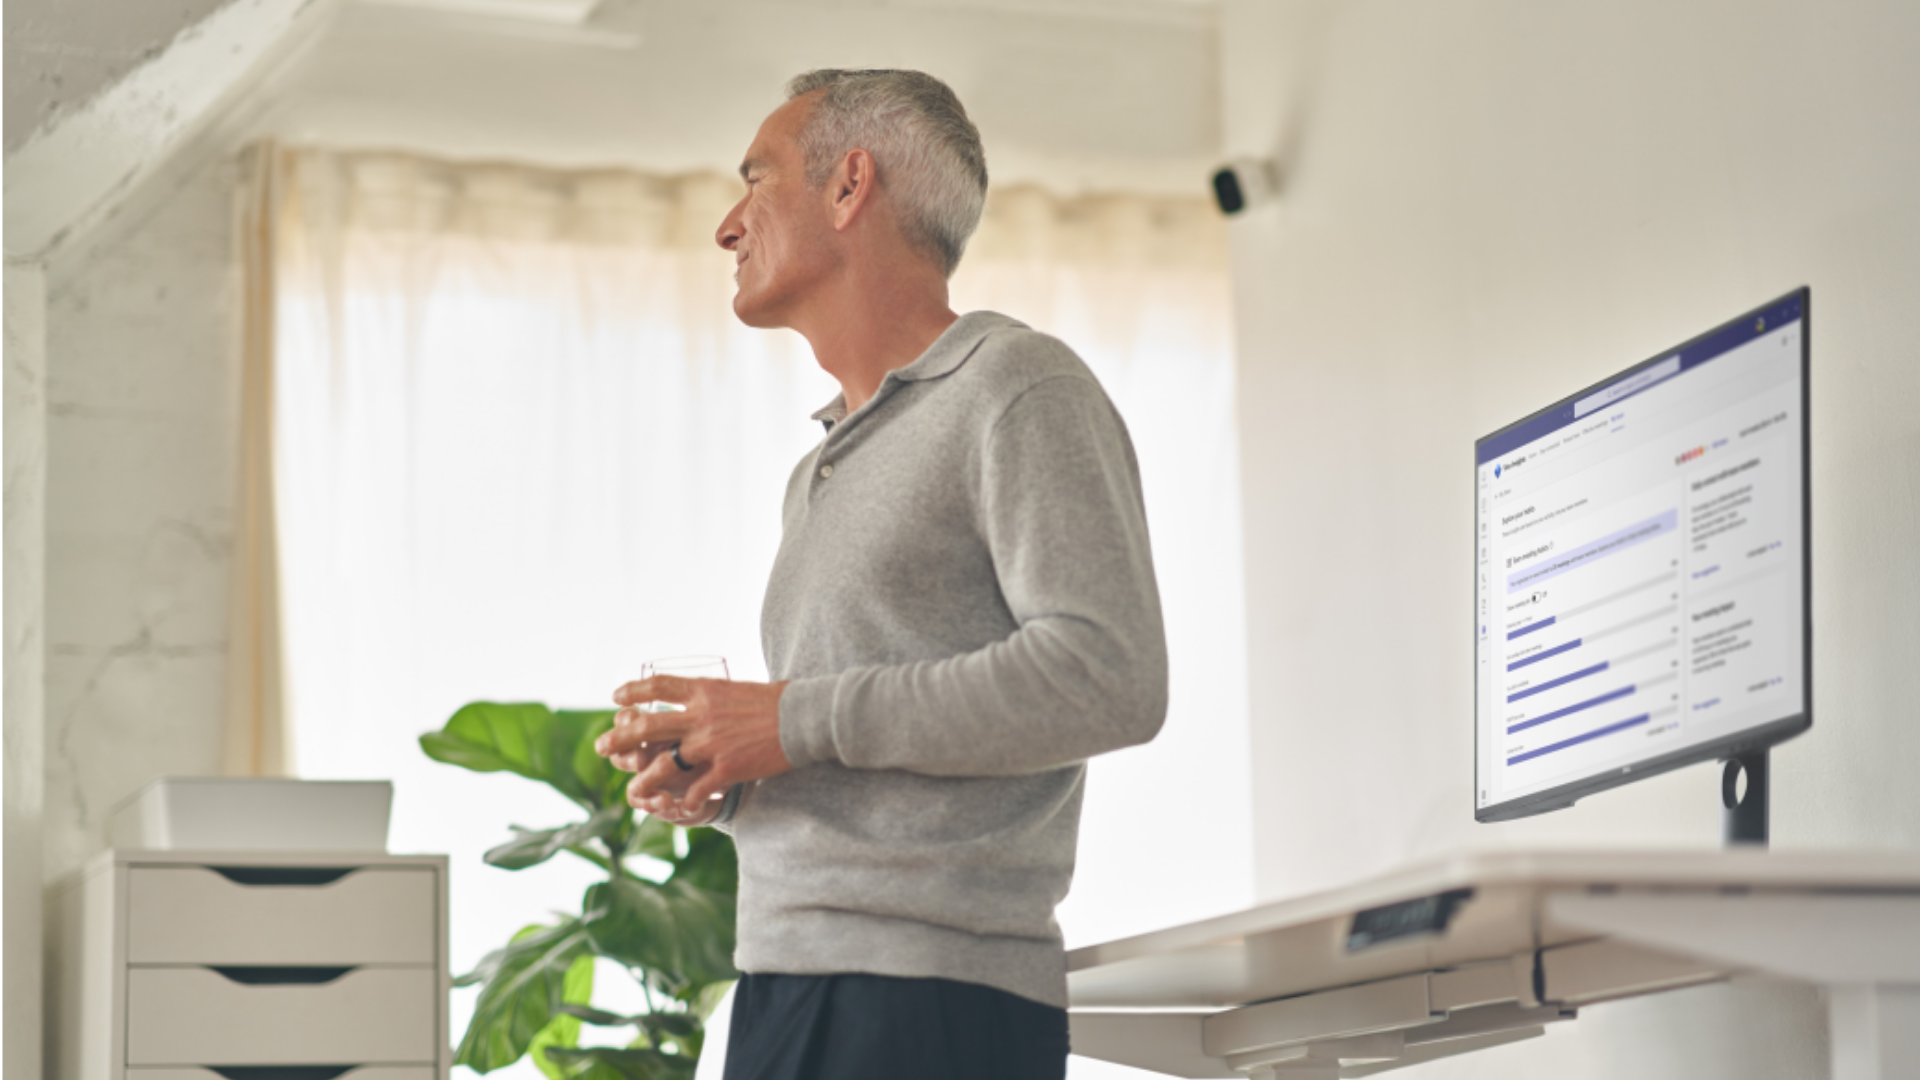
1475,951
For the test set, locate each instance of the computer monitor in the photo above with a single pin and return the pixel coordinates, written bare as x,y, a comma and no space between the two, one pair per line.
1642,571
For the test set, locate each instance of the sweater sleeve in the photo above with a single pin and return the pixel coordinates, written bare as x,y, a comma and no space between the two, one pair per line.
1085,670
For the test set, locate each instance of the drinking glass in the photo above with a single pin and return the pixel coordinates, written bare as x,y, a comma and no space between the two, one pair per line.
686,667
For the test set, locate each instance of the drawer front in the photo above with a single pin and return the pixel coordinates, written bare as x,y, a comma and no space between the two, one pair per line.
362,1072
194,915
195,1016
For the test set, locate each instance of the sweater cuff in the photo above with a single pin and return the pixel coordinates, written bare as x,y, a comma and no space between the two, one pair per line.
806,721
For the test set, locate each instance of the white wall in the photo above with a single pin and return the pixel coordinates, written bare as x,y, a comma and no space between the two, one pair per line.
1488,206
141,355
25,645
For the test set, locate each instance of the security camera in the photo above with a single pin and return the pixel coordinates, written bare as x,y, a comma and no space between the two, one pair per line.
1245,182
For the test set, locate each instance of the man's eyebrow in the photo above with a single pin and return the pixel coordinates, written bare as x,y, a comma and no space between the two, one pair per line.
748,166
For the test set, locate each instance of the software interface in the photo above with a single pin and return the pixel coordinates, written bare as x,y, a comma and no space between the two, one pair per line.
1639,566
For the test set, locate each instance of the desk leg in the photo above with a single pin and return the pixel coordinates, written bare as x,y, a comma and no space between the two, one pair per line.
1875,1031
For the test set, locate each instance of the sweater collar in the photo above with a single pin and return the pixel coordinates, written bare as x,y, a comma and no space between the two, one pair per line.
949,351
955,345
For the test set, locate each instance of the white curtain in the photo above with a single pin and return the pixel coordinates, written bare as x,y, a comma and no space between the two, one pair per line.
255,737
523,446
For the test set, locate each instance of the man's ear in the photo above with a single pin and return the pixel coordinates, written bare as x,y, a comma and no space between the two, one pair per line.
852,186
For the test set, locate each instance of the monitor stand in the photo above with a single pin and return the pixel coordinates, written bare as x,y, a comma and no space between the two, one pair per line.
1743,815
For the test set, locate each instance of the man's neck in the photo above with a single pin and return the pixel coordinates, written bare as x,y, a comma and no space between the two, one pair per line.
865,325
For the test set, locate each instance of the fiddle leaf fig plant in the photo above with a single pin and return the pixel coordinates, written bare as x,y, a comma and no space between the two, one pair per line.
667,921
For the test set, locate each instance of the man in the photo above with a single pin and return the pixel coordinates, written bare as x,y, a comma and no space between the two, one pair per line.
962,612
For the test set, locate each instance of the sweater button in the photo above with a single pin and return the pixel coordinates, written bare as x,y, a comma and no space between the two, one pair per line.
826,471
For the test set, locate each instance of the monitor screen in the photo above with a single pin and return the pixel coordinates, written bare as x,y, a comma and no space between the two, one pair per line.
1641,570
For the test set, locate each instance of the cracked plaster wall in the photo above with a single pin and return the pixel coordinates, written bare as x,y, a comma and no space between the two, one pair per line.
142,341
25,732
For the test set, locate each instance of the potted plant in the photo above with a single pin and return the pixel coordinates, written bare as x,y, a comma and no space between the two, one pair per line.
670,924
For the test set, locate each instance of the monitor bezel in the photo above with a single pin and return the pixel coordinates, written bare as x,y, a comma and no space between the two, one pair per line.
1731,745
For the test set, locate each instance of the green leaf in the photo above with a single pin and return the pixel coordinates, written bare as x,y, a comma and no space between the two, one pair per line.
631,1063
523,939
680,933
577,987
595,774
524,986
564,1029
708,999
598,1017
488,736
683,1029
555,748
591,1070
653,837
533,847
710,862
581,774
562,1032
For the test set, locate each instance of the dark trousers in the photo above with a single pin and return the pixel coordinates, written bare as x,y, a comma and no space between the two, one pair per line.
872,1027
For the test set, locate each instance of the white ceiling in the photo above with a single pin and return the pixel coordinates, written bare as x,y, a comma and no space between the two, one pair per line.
1073,94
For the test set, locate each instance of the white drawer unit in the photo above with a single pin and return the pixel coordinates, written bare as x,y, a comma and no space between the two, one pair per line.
358,1072
181,965
202,915
200,1016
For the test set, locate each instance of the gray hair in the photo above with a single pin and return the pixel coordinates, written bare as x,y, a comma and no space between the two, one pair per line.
925,150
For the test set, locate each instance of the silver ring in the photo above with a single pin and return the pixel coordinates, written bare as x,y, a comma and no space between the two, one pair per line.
678,760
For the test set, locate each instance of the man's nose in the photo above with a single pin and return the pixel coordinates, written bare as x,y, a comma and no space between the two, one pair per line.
729,232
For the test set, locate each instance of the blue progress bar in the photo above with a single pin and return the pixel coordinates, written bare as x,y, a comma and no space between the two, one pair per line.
1537,657
1578,739
1531,627
1558,713
1561,681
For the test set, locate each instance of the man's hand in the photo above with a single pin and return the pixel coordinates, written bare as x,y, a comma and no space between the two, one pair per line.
670,805
729,732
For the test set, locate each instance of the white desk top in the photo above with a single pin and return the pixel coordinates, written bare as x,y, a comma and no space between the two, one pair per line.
1299,945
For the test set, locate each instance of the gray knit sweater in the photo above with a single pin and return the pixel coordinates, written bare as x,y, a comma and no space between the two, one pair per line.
964,603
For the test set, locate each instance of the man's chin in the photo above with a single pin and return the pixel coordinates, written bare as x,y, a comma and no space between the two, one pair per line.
754,314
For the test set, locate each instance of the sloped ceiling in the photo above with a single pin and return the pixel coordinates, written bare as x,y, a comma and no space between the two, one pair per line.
60,53
92,153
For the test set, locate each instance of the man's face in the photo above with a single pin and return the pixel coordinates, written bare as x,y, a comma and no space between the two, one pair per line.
779,231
